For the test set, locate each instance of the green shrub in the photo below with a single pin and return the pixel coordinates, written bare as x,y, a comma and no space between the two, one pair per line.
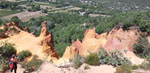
92,59
2,33
142,47
124,69
7,50
1,68
145,65
114,58
15,19
14,29
22,55
4,62
127,68
5,29
103,56
76,61
33,65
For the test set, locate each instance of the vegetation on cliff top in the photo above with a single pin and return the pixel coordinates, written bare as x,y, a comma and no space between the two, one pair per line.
142,47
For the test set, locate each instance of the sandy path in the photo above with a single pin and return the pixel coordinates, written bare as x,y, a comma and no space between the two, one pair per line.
19,69
47,67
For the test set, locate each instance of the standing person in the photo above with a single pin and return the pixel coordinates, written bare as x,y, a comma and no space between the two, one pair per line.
13,62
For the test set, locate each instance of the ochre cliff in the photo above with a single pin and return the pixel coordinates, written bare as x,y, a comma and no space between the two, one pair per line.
92,42
41,46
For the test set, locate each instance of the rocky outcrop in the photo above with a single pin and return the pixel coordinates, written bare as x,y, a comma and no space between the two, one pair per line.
47,41
92,42
9,29
12,25
44,31
41,46
26,29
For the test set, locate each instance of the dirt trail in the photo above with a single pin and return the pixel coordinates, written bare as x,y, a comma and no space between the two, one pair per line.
19,69
48,67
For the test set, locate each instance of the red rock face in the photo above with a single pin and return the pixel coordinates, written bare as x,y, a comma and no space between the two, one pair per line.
113,43
77,44
122,39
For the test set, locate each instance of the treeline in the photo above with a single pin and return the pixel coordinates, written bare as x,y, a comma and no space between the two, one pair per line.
10,5
123,5
126,5
34,7
17,6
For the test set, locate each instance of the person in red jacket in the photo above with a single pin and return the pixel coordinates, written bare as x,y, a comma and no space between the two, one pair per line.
13,61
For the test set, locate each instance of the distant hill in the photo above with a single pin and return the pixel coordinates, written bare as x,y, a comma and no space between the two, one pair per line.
123,5
126,5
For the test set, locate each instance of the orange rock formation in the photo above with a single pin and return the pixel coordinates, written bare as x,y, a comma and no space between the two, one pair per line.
92,42
41,46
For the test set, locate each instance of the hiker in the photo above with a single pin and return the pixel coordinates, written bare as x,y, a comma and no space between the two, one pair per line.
13,63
